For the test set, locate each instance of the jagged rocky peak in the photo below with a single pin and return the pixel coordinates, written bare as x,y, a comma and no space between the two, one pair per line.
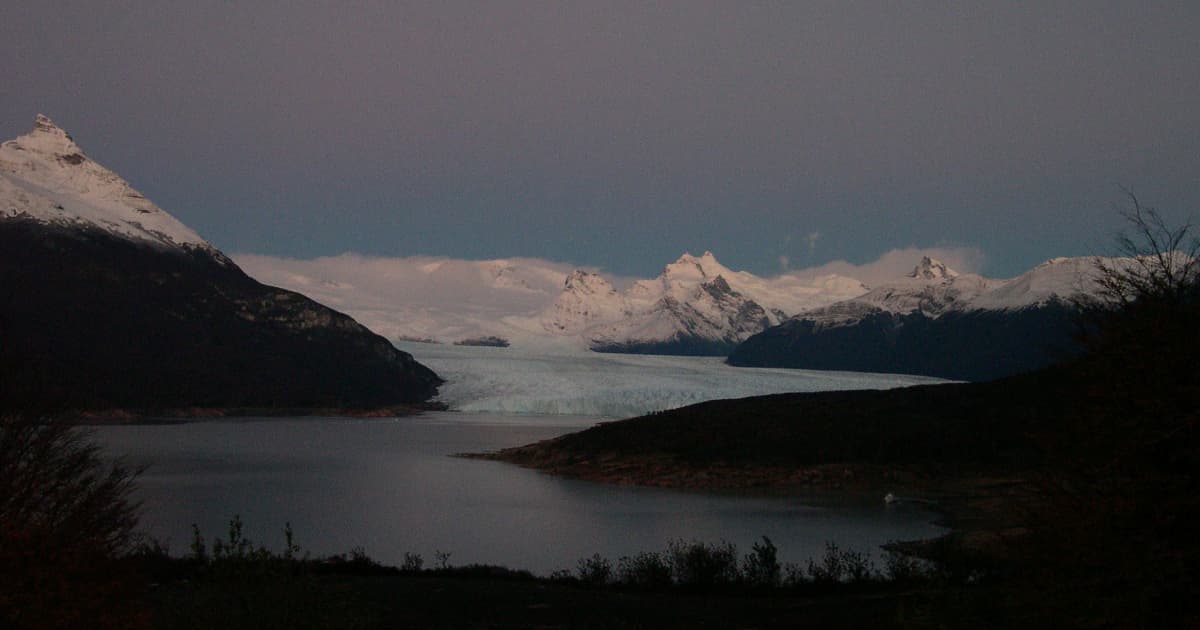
932,269
48,137
587,282
46,141
704,262
586,298
694,269
718,285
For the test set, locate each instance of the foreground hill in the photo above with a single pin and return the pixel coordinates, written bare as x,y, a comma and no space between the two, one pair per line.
107,301
783,439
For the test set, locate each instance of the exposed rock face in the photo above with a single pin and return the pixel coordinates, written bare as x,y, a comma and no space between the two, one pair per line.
107,301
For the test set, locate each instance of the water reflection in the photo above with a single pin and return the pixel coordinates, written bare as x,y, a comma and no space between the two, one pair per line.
390,487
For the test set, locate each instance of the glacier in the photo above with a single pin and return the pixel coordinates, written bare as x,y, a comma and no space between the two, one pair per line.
582,383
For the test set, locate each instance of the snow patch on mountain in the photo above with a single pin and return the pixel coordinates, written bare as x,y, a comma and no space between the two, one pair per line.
1057,279
694,299
542,304
934,289
586,299
438,299
46,177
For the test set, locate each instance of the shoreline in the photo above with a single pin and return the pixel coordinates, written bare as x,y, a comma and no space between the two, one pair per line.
980,510
122,416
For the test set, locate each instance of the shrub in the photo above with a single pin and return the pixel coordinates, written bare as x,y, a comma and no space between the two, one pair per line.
902,568
595,570
858,566
702,565
761,566
413,562
644,570
831,567
794,575
841,566
562,575
65,515
57,492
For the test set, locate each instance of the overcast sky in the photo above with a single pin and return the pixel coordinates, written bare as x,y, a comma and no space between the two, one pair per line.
618,135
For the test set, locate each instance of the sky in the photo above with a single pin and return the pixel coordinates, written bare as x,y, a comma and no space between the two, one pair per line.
618,135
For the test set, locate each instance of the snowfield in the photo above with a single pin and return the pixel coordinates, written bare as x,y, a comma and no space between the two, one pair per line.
514,381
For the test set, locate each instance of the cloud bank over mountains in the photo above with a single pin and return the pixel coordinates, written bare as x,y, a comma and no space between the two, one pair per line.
449,300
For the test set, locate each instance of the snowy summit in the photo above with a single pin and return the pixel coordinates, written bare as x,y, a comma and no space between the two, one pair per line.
46,177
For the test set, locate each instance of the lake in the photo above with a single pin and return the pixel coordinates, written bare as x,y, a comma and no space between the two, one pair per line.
390,487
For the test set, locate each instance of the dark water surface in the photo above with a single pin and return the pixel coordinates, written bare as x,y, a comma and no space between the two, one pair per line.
388,486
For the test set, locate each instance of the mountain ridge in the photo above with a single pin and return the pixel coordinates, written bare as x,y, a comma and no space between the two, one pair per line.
107,301
937,322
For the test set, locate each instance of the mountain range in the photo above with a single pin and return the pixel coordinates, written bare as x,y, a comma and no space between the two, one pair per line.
695,306
932,321
937,322
107,301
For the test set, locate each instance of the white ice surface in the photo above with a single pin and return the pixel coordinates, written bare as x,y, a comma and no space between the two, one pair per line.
509,380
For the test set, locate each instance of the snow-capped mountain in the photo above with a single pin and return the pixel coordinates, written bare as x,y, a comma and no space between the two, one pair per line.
930,288
46,177
695,306
108,301
937,322
1056,280
587,299
429,299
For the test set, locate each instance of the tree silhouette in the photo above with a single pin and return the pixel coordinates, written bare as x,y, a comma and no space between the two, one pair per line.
65,516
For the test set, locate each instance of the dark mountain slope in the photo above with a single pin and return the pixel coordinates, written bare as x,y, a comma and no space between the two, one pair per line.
89,320
975,345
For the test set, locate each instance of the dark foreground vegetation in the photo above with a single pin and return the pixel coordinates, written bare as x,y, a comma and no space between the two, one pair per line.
232,582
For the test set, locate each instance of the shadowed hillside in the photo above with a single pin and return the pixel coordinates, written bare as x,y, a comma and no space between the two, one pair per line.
89,321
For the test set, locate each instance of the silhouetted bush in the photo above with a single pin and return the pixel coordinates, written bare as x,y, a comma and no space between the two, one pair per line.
644,570
65,515
596,570
703,565
57,492
838,566
902,568
760,567
413,562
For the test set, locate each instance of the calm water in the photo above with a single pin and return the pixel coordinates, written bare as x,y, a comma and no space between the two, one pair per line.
390,487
